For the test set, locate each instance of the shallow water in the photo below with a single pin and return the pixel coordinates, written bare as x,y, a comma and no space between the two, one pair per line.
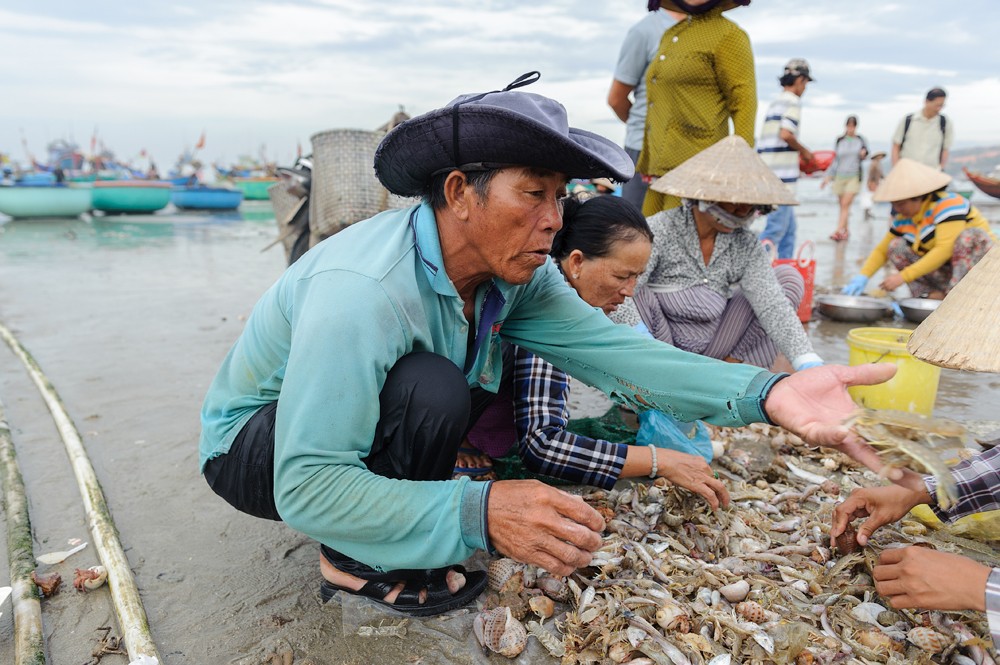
130,316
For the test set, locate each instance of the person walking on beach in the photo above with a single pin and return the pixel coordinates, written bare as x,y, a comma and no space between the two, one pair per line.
780,149
850,150
925,136
640,46
701,80
873,180
340,408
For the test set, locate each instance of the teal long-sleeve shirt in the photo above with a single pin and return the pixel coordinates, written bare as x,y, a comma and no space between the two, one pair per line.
322,339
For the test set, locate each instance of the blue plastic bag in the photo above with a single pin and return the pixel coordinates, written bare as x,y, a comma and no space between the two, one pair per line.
664,431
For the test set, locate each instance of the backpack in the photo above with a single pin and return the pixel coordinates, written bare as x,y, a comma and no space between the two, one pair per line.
906,128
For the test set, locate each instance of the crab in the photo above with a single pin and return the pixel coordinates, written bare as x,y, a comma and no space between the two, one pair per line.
914,441
108,644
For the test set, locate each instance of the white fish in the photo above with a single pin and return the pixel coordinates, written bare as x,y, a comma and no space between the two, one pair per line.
805,475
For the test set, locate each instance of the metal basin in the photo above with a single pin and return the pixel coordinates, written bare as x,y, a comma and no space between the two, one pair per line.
918,309
856,309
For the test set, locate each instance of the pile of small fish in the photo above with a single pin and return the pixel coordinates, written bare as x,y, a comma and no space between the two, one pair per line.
676,583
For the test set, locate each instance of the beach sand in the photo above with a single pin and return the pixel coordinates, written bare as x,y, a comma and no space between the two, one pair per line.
130,318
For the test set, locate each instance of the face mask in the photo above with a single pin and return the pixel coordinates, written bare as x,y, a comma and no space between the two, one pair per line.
728,219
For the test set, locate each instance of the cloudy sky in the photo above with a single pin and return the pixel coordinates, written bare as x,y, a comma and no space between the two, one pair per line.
255,75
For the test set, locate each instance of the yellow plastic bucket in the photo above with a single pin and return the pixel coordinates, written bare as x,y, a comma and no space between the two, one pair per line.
913,388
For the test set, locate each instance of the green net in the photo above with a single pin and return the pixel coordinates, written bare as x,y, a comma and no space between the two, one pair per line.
609,427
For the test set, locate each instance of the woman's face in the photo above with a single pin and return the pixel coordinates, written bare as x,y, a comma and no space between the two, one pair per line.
908,207
606,281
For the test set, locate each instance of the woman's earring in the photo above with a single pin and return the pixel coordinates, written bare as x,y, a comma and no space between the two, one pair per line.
576,275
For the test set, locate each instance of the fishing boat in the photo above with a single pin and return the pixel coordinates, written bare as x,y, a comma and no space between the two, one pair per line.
53,201
254,189
200,197
131,196
986,184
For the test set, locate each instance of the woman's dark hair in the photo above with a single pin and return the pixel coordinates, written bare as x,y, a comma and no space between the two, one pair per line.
852,119
595,224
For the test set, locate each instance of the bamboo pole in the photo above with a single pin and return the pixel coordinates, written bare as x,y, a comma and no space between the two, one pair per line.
29,643
131,614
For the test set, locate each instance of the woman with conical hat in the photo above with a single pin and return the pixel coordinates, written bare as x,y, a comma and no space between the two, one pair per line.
935,237
710,288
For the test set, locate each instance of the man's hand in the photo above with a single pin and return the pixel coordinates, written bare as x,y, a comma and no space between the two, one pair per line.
693,473
814,404
919,577
881,505
534,523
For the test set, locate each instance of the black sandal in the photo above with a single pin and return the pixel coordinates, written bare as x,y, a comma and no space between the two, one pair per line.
378,585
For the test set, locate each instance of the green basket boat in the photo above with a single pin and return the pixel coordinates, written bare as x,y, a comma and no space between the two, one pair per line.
50,201
131,196
254,189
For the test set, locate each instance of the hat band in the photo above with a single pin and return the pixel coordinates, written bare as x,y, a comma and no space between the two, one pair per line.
524,79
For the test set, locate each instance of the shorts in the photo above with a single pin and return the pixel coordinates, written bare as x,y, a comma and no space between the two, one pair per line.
846,185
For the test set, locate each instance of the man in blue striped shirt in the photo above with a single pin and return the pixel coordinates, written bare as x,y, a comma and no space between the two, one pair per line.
780,149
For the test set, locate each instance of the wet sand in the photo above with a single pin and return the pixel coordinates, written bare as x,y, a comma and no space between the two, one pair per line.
130,317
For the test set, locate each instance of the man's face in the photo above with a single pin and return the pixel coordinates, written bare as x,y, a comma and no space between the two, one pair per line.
799,87
933,107
512,229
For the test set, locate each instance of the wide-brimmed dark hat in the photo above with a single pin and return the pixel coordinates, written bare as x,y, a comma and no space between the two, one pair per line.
501,128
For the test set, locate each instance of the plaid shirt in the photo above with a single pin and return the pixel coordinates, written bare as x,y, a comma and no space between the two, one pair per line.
978,480
541,394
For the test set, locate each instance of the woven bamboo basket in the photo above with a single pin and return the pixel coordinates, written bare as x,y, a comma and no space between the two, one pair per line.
344,187
285,206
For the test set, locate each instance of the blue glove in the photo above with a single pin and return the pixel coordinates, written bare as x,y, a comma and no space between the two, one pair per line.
811,363
856,286
896,309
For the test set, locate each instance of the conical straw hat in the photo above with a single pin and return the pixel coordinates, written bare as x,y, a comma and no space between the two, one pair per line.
729,171
964,331
909,179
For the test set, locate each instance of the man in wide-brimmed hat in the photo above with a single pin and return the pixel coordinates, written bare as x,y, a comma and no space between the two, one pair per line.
341,406
935,238
709,287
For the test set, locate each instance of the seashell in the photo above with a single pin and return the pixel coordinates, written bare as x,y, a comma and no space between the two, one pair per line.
718,450
800,585
751,610
928,639
554,588
91,578
760,483
805,657
500,571
877,640
830,464
543,606
499,631
888,618
670,616
620,652
47,583
867,612
736,591
847,542
830,487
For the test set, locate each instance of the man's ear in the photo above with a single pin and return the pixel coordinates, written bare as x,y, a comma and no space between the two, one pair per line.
458,194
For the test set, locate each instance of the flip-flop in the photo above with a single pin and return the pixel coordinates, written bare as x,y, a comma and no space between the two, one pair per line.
378,585
473,472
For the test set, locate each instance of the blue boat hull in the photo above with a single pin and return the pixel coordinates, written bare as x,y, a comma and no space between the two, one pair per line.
206,198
